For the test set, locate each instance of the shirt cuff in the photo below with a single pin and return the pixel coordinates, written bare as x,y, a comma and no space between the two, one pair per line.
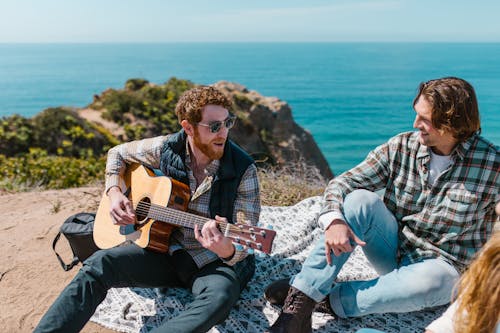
237,257
114,180
324,220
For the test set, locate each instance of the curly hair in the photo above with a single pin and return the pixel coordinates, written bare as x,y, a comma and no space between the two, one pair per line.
191,103
478,296
454,106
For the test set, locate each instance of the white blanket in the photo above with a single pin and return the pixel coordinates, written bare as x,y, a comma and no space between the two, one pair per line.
139,310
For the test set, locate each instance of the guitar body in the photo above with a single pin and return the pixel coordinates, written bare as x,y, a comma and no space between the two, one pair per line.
143,186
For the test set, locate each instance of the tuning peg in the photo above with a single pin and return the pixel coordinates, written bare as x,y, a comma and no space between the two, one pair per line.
238,247
250,251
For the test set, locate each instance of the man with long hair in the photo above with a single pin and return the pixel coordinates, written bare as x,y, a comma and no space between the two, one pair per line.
440,185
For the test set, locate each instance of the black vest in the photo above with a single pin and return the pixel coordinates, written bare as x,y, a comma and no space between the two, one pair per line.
233,164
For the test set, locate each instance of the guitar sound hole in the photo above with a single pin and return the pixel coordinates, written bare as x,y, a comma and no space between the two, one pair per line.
142,210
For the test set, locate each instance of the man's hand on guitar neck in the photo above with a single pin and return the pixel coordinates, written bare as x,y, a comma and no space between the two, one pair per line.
120,209
212,239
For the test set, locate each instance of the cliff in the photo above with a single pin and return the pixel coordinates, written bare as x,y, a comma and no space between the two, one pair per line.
265,127
267,130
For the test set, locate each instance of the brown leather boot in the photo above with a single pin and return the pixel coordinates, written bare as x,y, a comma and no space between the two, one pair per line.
324,307
296,314
277,291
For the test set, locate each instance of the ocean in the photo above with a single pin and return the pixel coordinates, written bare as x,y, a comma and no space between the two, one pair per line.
350,96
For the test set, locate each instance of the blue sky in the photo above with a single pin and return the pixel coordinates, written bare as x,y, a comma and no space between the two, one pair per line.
43,21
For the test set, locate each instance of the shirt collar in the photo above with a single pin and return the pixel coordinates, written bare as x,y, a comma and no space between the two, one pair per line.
460,149
423,151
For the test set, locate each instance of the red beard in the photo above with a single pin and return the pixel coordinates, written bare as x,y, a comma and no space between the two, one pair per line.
208,149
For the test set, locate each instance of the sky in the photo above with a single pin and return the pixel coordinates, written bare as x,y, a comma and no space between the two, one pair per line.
146,21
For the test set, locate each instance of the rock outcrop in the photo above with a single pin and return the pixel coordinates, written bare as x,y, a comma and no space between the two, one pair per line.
266,129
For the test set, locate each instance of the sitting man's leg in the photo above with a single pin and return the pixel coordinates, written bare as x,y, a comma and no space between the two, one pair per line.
216,288
372,222
411,287
125,266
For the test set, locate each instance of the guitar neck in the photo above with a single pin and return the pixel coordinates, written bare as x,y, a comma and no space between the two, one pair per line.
173,216
247,235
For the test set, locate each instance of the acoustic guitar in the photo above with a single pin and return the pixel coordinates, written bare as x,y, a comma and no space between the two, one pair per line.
160,205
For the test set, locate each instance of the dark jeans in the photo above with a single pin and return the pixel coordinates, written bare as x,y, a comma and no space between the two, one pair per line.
216,287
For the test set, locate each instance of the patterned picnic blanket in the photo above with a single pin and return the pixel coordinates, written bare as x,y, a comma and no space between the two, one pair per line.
139,309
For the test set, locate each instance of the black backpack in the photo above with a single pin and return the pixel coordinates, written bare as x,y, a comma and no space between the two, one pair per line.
78,230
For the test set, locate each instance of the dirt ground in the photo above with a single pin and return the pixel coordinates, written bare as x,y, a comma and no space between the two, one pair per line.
30,275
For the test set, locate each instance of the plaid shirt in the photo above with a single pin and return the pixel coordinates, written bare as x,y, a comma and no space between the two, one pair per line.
148,152
451,218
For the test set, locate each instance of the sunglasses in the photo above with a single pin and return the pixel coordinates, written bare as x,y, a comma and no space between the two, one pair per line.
216,126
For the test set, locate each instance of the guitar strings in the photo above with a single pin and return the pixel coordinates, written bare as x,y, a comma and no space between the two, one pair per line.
146,208
142,208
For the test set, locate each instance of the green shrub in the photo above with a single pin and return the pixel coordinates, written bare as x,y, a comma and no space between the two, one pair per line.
151,105
61,131
37,169
135,84
16,134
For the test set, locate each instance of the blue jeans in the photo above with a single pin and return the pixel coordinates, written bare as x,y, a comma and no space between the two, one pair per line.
401,287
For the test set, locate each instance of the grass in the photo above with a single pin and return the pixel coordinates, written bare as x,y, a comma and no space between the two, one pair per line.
290,184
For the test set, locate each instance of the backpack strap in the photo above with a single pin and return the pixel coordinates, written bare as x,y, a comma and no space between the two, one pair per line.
64,266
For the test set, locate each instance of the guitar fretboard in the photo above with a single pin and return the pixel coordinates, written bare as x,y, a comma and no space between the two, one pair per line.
175,217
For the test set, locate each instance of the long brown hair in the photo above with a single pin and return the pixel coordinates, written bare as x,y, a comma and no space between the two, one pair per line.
454,106
478,297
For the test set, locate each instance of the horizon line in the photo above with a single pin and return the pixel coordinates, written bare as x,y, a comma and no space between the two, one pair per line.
262,42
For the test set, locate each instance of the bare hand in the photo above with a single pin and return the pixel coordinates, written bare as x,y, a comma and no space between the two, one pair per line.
212,239
338,239
121,209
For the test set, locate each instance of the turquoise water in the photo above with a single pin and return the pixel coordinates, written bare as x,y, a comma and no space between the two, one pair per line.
351,97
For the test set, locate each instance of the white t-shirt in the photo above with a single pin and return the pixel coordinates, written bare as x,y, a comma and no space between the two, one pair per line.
437,165
444,324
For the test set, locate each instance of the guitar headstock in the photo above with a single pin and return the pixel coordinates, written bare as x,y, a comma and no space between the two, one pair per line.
252,237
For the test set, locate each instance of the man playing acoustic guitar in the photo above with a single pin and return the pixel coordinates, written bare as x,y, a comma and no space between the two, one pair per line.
222,181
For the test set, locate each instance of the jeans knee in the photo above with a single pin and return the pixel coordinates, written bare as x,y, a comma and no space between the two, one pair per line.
360,198
226,298
99,258
360,202
435,289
